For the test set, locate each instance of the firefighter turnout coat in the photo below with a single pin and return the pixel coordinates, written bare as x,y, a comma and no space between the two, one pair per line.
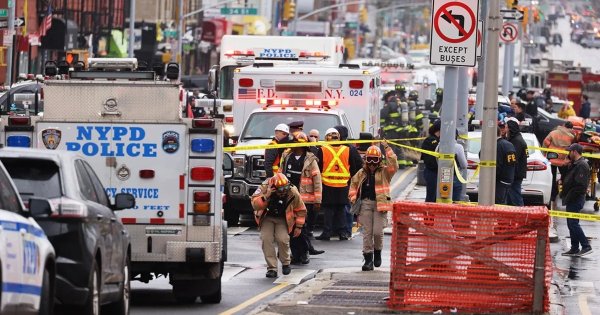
310,180
295,212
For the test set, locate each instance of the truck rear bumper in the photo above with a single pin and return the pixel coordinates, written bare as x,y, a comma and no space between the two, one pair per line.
183,252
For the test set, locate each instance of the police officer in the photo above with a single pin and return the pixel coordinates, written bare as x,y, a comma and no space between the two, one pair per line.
272,156
506,160
430,161
513,135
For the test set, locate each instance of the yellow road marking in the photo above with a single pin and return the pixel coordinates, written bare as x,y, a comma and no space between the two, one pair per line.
253,300
584,308
402,177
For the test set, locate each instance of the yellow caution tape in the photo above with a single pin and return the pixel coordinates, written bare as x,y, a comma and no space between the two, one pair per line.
432,153
587,155
307,144
574,215
446,157
487,163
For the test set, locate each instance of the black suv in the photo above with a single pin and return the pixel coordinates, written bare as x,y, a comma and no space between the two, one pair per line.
92,246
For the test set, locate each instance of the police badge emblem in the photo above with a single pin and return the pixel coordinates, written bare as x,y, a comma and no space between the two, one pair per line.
170,141
51,138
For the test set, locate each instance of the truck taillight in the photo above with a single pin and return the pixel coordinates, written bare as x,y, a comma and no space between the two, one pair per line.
201,202
18,141
19,121
246,82
472,165
147,174
202,173
229,119
202,145
356,84
536,166
203,123
69,208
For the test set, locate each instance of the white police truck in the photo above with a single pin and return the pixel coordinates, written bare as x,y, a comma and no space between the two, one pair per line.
27,258
131,125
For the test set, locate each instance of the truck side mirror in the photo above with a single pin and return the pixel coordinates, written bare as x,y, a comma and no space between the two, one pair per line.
123,201
212,79
227,165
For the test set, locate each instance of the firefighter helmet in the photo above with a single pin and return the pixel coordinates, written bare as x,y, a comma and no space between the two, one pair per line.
300,137
280,182
373,155
413,95
439,92
400,88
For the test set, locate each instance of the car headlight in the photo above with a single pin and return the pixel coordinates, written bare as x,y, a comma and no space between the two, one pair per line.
239,166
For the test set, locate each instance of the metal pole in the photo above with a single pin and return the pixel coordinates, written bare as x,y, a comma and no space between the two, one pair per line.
274,17
487,177
295,22
357,49
447,137
521,53
512,67
481,63
506,75
9,48
131,27
462,120
179,39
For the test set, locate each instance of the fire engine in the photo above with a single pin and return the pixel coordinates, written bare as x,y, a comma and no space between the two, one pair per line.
321,96
244,50
130,125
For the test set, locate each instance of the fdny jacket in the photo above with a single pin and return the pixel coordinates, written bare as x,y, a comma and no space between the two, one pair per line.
383,176
310,179
559,138
295,212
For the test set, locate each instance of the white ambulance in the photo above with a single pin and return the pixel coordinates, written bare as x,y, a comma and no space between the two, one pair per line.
320,96
244,50
129,125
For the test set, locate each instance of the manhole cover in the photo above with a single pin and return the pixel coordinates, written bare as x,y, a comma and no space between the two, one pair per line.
353,298
361,284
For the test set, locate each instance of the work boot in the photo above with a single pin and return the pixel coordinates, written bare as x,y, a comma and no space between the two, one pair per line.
305,259
368,266
285,269
323,237
314,251
377,258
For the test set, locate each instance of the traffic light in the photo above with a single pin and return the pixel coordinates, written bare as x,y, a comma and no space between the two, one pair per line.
289,10
536,15
364,15
510,4
525,17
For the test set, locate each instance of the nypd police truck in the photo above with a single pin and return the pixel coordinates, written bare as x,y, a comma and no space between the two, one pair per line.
131,125
266,95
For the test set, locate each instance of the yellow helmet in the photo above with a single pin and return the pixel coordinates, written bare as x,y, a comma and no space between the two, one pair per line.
280,182
300,137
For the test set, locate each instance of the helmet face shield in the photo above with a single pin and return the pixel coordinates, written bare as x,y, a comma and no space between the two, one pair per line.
372,160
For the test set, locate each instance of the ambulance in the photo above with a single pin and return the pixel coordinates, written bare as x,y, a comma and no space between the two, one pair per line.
244,50
131,127
266,95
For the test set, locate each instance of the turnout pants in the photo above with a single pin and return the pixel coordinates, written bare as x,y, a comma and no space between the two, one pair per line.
373,222
274,229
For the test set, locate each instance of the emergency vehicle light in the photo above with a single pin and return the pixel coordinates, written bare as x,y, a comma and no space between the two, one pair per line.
356,84
202,202
202,173
229,119
471,165
246,82
334,84
234,53
18,141
202,145
201,196
19,121
203,123
146,174
306,54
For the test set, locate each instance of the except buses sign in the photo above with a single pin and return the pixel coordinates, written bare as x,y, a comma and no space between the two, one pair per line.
454,32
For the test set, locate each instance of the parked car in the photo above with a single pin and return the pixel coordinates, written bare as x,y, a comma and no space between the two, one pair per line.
536,186
92,246
591,42
27,259
546,122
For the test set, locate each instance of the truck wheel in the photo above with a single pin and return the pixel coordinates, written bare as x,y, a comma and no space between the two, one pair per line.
181,291
215,297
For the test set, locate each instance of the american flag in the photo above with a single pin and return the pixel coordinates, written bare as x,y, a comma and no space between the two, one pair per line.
46,22
247,94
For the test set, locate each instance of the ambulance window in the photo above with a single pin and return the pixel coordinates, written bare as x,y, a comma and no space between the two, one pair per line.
226,82
34,177
85,183
8,196
100,192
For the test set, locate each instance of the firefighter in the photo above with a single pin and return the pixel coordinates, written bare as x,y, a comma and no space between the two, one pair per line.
401,92
371,188
272,156
415,122
279,212
439,97
336,165
358,162
300,166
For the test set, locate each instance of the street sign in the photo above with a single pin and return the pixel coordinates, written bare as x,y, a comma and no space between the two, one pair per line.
479,38
453,33
18,22
512,14
239,11
3,13
509,32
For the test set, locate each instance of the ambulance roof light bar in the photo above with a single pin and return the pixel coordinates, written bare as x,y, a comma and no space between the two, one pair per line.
122,64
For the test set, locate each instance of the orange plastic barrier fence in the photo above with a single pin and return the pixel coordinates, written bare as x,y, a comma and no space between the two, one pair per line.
472,258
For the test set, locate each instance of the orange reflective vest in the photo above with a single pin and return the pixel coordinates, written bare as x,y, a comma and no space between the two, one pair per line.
336,166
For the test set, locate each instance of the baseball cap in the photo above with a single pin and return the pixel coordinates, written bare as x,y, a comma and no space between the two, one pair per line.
283,127
575,147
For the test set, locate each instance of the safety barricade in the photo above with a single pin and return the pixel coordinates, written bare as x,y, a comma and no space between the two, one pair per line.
476,259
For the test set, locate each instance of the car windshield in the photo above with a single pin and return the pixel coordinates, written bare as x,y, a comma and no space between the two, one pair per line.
34,177
475,143
262,125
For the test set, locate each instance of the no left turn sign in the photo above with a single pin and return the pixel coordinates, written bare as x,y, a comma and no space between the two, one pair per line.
509,32
454,32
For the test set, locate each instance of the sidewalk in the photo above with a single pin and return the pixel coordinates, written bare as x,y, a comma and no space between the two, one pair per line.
350,291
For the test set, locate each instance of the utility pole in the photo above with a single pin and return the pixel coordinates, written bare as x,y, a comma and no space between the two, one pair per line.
9,48
179,38
131,28
462,110
481,64
507,69
487,177
447,136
